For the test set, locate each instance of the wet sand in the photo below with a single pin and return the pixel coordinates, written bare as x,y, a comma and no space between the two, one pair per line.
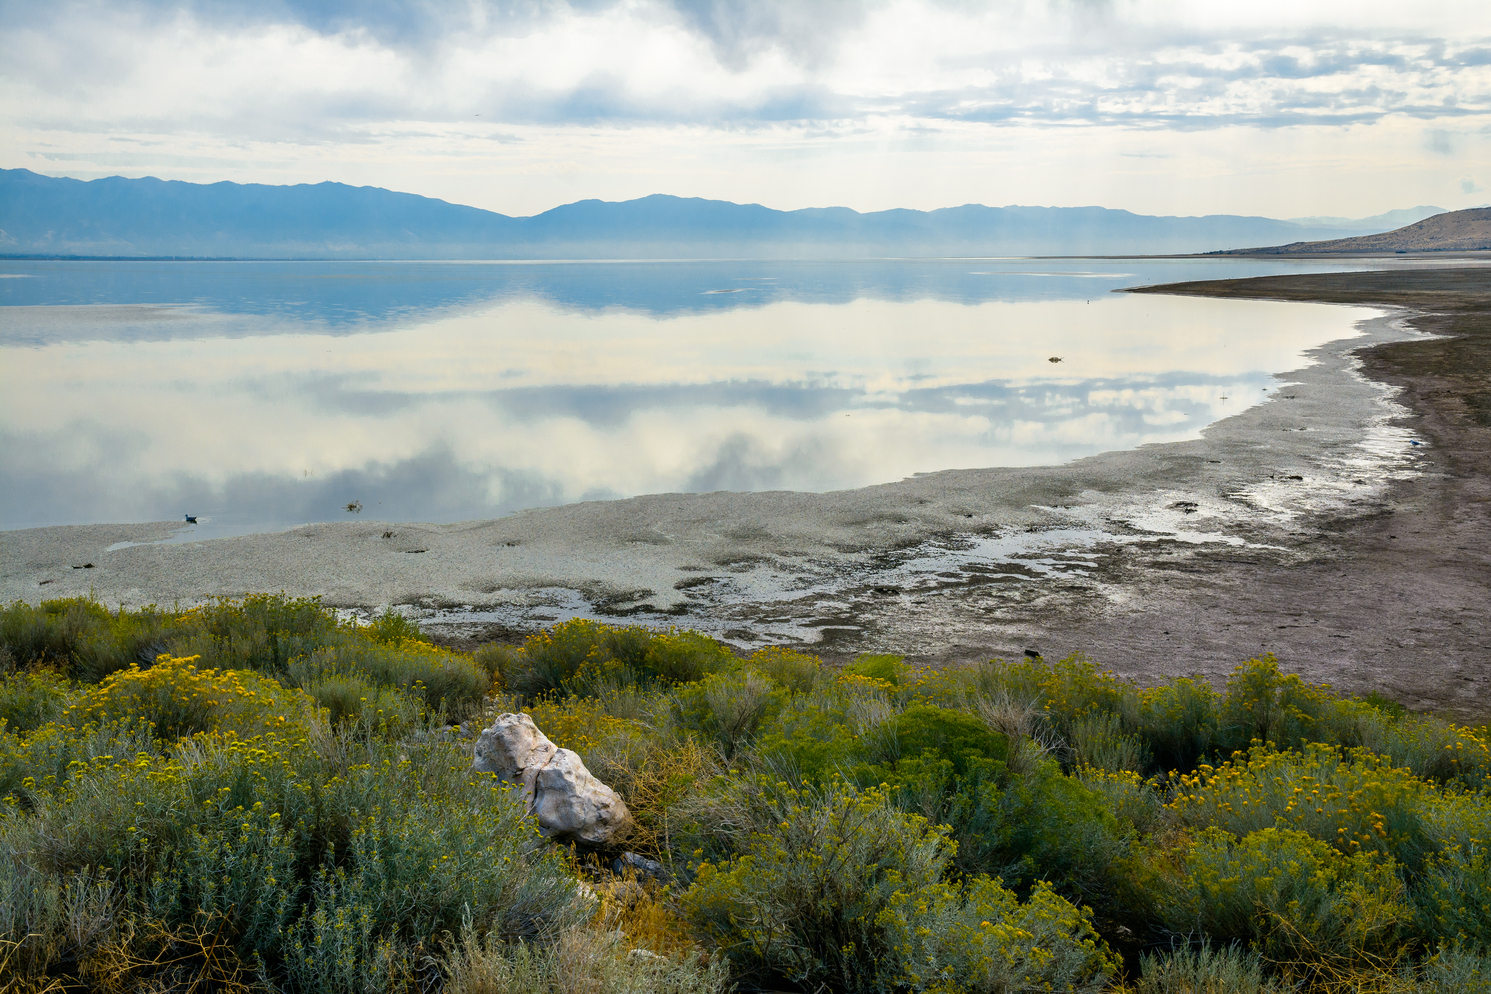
1310,526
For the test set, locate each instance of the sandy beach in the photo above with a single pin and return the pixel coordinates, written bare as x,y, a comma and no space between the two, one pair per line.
1342,524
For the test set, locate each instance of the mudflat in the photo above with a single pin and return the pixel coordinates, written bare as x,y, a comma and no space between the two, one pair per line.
1394,595
1343,525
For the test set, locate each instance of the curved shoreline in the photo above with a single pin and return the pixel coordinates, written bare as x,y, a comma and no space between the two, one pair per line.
1176,558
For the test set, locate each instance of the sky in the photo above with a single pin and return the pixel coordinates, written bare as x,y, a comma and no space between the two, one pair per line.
1284,109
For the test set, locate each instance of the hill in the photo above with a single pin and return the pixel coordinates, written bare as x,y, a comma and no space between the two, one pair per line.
43,215
1454,231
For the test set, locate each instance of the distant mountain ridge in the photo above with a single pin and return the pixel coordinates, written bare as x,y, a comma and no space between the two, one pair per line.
1453,231
1385,221
43,215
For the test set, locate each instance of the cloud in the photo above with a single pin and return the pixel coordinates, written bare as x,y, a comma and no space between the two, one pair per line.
808,33
433,485
320,70
1441,142
1469,185
519,106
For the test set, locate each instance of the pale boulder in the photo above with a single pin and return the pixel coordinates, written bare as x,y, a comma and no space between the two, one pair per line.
571,805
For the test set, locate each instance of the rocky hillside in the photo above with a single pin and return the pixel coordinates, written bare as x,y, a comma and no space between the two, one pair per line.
1455,231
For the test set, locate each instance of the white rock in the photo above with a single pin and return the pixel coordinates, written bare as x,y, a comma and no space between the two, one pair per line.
570,803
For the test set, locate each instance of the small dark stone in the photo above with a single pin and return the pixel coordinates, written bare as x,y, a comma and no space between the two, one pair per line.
640,866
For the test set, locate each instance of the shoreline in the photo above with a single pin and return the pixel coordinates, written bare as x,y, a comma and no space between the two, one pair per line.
1183,558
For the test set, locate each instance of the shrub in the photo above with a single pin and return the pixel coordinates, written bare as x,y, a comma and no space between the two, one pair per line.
87,642
1454,898
1290,896
30,700
1265,704
33,765
1454,970
495,658
45,920
1135,802
1060,693
350,698
810,740
795,672
1208,969
804,902
1039,826
1428,747
51,633
956,736
441,680
392,628
581,961
1178,722
331,863
980,938
1098,740
728,709
262,631
1357,804
178,699
887,668
582,656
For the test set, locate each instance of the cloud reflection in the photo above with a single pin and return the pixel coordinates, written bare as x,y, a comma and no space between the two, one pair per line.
482,411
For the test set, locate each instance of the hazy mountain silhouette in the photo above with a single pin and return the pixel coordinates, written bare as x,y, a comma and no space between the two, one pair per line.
42,215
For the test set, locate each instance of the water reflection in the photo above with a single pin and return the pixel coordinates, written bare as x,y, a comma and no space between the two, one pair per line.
144,300
267,395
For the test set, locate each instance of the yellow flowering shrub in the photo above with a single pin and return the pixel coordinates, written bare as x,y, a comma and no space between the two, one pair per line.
1293,897
29,700
1262,702
319,859
179,699
579,723
1356,803
979,938
795,671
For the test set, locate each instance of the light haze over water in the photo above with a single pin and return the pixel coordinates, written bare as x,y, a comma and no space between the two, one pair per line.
261,395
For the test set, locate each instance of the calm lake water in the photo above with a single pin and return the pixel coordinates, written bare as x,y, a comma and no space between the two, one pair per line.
264,395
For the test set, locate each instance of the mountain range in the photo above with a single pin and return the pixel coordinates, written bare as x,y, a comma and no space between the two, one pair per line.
118,217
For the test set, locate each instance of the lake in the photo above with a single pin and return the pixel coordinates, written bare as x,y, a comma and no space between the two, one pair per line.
262,395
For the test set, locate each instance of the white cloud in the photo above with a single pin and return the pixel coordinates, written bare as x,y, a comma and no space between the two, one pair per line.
701,96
